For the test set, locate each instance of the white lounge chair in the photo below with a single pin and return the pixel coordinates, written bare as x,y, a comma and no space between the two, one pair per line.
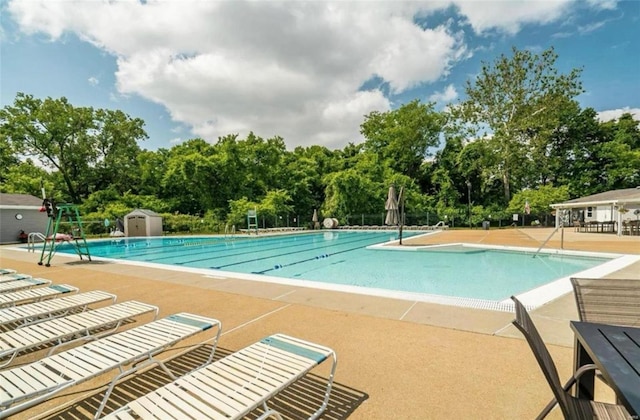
25,386
13,285
4,271
35,295
52,308
234,386
64,330
14,276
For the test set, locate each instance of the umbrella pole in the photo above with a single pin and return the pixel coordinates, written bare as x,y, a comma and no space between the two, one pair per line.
401,203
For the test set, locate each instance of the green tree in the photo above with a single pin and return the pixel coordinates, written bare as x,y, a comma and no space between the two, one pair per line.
238,210
275,205
26,178
190,181
307,168
73,141
152,166
539,200
621,153
264,164
575,148
8,158
116,140
402,137
351,192
513,105
446,175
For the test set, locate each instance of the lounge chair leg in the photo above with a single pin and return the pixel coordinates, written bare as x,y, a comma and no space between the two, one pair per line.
5,363
327,392
269,412
147,363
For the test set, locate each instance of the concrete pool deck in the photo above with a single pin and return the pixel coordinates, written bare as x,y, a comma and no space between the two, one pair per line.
396,358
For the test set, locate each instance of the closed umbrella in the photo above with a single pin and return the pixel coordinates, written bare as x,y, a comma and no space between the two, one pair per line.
314,219
391,207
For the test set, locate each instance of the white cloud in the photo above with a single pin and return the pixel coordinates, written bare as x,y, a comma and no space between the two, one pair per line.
614,114
292,69
288,68
510,16
603,4
594,26
93,81
447,95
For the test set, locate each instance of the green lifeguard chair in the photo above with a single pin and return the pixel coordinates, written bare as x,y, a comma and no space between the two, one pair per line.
67,214
252,221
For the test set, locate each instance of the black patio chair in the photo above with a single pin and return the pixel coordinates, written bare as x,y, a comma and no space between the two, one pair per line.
572,408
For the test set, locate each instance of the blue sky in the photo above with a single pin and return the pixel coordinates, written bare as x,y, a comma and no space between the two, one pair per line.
307,71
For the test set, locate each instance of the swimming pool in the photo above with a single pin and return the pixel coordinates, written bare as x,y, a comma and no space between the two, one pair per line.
351,259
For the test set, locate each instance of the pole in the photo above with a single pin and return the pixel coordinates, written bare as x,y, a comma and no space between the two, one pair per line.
469,203
564,213
401,204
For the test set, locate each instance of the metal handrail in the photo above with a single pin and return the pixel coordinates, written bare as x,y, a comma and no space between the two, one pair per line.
229,233
561,226
31,240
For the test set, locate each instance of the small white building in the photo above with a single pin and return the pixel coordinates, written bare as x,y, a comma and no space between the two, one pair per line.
616,211
142,222
20,212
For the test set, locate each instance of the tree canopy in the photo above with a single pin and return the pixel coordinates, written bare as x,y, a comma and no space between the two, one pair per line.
90,150
513,106
518,136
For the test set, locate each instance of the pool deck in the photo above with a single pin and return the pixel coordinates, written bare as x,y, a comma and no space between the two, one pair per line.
397,358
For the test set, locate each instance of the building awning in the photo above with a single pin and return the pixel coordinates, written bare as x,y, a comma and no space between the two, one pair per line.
617,198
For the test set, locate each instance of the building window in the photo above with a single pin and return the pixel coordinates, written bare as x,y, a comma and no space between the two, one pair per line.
589,211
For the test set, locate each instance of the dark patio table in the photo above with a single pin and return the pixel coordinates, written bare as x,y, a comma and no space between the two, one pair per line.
615,350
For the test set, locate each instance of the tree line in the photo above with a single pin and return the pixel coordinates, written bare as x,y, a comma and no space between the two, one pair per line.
519,136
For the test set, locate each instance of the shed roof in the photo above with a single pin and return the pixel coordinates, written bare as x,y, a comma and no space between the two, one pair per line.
19,200
625,196
145,212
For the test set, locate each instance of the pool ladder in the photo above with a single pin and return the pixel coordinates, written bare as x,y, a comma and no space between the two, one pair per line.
31,240
229,232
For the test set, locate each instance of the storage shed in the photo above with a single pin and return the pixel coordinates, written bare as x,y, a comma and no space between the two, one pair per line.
20,212
142,222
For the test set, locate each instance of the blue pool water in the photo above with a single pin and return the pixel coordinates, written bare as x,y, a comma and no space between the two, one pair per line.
343,257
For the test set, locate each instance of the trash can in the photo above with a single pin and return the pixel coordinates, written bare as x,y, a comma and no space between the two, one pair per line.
485,225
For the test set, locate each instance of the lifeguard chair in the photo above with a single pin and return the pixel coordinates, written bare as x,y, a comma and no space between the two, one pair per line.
252,220
53,238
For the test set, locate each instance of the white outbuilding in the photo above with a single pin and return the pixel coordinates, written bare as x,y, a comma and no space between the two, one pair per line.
141,222
20,213
616,211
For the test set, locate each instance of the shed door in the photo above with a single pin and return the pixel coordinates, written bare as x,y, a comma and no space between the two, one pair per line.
137,226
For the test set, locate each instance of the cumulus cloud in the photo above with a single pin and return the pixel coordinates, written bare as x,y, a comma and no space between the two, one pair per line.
447,95
288,68
293,69
93,81
614,114
512,15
